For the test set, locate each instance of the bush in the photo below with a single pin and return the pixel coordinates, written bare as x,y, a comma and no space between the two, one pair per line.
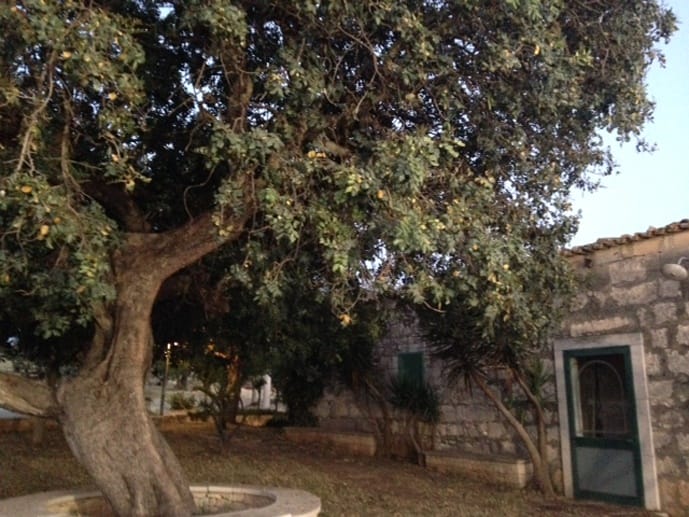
182,401
420,399
279,421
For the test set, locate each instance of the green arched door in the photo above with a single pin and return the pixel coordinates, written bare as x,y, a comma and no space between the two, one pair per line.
606,459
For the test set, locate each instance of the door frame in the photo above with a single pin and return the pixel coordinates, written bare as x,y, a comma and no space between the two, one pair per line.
634,341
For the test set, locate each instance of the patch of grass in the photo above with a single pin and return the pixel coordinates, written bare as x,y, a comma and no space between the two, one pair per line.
347,485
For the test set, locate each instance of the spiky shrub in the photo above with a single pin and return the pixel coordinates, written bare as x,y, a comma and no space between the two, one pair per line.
417,398
418,402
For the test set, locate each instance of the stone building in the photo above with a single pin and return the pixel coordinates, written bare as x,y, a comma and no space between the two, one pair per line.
632,321
618,405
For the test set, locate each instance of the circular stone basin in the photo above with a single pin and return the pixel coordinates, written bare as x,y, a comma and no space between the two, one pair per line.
219,501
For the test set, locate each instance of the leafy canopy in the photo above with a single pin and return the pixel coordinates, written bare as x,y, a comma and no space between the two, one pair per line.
400,143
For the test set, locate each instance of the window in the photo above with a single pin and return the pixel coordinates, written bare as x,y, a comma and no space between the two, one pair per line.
410,366
602,403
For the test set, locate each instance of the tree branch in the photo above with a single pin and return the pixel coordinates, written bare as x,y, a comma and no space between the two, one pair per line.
176,249
173,250
540,414
539,463
27,396
118,204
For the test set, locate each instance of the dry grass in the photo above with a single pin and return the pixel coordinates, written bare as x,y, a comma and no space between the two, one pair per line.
348,486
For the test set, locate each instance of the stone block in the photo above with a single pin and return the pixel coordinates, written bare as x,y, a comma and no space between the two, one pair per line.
340,408
624,271
660,393
683,442
497,469
553,452
681,392
659,339
579,302
634,295
596,280
553,434
662,439
664,312
600,298
667,466
674,496
653,364
644,317
668,493
471,431
447,413
548,391
669,289
485,413
683,493
677,362
672,419
323,408
495,430
601,326
683,334
355,412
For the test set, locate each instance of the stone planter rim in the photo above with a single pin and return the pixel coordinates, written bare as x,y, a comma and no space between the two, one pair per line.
287,501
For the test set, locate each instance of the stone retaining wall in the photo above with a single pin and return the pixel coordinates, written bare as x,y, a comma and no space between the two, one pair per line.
497,469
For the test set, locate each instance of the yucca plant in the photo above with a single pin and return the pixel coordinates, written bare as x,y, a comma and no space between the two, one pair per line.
419,403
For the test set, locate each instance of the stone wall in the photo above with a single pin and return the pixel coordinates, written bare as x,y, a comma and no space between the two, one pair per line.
624,291
469,422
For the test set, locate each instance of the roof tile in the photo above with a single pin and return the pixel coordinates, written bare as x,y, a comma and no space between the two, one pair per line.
611,242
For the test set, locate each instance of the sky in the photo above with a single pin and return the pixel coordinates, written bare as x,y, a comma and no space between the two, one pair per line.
651,190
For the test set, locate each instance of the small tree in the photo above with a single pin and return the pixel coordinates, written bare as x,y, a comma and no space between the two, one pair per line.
502,322
360,372
219,370
223,348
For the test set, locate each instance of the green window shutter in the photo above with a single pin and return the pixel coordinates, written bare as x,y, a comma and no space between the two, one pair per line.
410,366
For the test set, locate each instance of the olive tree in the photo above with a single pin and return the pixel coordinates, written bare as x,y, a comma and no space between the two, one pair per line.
384,139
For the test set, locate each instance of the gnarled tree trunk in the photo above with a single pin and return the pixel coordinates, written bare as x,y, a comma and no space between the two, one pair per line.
103,409
112,436
105,419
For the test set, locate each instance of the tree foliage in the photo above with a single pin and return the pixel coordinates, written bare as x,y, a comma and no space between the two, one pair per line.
381,131
312,348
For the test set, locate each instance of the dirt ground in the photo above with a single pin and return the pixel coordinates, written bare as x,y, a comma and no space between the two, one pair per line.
347,485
